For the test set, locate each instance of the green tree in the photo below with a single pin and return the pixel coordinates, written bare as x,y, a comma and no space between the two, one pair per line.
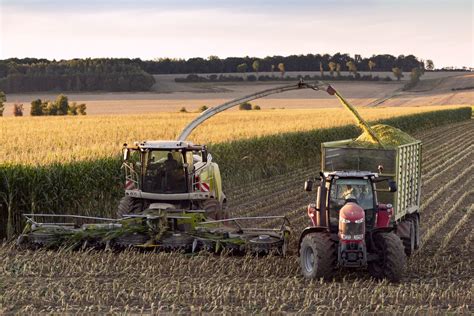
203,108
3,99
242,68
17,109
72,110
272,68
332,67
81,109
62,104
338,69
397,72
246,106
429,64
321,69
371,65
256,66
36,108
281,67
351,66
51,108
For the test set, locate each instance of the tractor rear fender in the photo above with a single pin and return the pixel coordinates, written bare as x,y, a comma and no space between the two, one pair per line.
309,230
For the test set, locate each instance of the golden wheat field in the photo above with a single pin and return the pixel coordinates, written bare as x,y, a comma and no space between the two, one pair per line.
42,140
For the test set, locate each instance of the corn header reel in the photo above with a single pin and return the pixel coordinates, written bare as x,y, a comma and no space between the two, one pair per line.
159,228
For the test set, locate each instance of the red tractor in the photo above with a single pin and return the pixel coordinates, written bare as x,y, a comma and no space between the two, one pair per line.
350,226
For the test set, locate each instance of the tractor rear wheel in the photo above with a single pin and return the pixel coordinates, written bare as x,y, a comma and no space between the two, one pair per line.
391,262
128,205
214,209
317,256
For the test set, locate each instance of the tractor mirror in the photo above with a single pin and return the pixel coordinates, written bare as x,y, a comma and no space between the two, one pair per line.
204,155
126,154
392,186
308,185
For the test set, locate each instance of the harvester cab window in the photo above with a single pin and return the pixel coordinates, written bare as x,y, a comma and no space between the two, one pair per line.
165,172
343,190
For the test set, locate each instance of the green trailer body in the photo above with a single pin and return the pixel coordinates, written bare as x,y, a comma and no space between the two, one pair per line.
401,164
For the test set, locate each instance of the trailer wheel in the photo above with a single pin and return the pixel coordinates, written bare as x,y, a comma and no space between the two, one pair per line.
128,205
392,259
416,222
317,256
409,243
214,209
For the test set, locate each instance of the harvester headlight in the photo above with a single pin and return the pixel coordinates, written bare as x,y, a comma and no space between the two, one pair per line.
360,220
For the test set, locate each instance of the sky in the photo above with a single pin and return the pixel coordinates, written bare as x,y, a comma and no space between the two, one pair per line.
441,30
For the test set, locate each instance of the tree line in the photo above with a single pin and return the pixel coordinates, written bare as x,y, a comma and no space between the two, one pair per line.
124,74
60,106
104,74
309,62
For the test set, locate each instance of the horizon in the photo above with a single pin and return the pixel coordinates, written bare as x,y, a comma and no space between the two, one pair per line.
188,29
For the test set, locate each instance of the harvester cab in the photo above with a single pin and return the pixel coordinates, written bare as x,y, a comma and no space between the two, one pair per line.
178,173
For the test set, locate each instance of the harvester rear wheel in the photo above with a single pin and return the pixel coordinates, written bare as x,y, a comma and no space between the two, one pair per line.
128,205
214,209
317,256
392,259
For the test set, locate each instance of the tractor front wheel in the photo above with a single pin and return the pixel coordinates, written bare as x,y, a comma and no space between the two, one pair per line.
317,256
391,261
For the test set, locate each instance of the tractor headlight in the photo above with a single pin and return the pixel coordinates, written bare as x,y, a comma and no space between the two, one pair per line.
345,236
345,221
358,237
360,220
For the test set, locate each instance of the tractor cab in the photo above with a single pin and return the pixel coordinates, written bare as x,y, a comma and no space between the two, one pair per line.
355,187
338,188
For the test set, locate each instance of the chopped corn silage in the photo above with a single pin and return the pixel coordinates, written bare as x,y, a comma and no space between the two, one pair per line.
388,135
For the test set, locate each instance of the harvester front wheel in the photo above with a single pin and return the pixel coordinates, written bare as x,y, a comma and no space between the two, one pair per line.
214,209
317,256
391,260
128,205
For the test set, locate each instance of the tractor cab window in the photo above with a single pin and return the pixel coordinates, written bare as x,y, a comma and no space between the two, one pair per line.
343,190
165,172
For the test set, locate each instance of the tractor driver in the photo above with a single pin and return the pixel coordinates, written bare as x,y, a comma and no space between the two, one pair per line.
348,192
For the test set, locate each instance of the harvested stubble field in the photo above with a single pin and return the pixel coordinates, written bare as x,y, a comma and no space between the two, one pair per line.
82,138
439,277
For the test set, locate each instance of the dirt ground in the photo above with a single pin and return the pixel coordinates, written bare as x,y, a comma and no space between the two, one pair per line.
169,96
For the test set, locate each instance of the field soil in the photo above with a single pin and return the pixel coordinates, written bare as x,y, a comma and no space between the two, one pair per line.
439,276
169,96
